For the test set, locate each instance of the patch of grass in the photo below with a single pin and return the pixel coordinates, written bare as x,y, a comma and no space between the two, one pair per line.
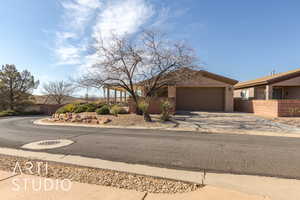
7,113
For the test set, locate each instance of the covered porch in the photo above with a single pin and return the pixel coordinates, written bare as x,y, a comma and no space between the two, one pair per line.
269,92
115,95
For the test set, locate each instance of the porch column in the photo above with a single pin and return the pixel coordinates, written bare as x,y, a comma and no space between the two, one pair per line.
115,96
108,96
125,97
269,92
121,96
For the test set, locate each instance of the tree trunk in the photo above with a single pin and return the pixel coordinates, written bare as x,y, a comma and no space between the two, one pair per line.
137,110
11,96
147,117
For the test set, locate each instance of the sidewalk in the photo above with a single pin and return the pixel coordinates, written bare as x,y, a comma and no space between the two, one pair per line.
13,187
274,188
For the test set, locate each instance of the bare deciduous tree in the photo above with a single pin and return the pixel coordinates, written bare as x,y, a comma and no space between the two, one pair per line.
59,91
145,62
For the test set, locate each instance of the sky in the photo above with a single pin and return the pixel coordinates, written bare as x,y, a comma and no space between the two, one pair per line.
239,39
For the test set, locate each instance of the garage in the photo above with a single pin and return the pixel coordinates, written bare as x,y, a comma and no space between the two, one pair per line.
200,98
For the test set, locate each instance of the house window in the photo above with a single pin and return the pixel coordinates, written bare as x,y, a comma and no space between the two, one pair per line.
245,94
277,93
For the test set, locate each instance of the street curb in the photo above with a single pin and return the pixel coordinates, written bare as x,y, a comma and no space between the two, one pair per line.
275,188
40,122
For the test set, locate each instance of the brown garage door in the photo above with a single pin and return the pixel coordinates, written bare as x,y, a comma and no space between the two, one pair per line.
200,98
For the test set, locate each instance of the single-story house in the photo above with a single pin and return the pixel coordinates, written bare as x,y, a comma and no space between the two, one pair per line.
274,95
199,91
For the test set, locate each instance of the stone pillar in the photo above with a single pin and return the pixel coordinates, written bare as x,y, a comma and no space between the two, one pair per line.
269,92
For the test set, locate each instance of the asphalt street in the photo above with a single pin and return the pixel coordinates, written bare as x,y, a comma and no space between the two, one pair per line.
230,153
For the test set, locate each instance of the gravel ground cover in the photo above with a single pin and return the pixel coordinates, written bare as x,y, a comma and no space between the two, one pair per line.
128,120
98,176
292,121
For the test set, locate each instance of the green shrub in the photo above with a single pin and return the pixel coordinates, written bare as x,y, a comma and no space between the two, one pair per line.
8,113
166,110
104,110
69,108
116,109
81,108
91,107
143,106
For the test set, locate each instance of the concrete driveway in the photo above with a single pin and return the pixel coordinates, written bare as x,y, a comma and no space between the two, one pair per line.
232,123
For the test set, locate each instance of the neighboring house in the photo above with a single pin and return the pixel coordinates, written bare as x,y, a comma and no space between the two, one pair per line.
200,91
274,95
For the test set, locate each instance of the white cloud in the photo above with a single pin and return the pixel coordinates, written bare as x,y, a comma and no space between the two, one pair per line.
122,17
77,13
86,20
69,55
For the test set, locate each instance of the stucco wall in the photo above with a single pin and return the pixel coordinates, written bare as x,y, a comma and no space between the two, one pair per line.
291,92
270,108
251,91
259,107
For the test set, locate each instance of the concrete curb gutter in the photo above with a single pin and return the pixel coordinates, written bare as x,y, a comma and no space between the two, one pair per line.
274,188
41,122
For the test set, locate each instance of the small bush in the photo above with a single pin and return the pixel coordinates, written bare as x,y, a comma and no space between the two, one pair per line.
91,107
116,109
166,110
81,108
104,110
143,106
69,108
6,113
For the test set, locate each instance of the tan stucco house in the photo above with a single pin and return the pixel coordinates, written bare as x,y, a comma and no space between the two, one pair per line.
200,91
278,86
274,95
